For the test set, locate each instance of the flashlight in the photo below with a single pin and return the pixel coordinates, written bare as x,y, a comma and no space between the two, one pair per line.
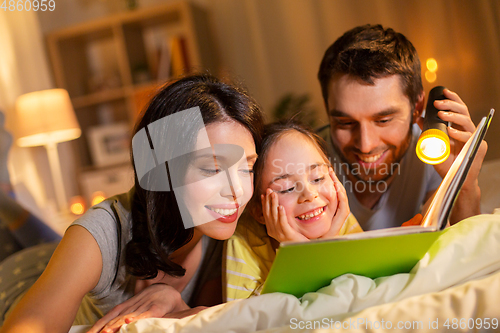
433,146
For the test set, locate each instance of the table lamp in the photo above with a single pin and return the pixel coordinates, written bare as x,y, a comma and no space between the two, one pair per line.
45,118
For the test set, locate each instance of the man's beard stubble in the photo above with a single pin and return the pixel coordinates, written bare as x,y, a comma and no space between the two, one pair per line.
393,169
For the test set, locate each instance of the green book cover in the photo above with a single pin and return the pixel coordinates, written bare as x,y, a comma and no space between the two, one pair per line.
304,267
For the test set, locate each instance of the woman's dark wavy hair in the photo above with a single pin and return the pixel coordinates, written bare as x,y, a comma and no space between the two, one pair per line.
157,226
369,52
272,133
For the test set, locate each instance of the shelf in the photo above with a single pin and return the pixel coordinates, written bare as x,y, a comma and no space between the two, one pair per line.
98,97
111,67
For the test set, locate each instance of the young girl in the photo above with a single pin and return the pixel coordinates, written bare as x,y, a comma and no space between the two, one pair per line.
136,255
297,197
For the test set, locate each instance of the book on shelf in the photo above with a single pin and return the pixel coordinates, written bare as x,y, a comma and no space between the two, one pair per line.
301,267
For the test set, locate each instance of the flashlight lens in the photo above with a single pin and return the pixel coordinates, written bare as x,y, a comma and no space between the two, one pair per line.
433,147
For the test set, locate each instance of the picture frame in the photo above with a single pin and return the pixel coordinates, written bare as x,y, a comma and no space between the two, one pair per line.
109,144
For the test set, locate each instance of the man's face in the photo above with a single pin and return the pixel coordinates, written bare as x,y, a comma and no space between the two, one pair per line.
370,125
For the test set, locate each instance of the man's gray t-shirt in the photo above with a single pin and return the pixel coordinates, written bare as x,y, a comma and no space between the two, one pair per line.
403,198
110,223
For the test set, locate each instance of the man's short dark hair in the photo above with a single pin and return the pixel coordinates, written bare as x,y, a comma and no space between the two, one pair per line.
370,52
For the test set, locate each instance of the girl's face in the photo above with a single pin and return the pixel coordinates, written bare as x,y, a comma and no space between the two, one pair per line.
219,179
298,173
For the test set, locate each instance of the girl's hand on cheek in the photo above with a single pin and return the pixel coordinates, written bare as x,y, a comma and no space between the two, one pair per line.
276,220
343,209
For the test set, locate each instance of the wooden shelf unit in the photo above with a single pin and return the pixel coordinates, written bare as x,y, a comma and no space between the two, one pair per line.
110,66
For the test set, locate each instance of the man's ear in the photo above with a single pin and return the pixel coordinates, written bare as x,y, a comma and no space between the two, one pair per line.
419,107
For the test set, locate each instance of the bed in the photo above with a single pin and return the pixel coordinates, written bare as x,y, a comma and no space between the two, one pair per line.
456,286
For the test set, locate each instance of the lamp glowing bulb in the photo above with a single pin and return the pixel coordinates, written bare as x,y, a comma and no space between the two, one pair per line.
77,205
433,146
431,64
97,197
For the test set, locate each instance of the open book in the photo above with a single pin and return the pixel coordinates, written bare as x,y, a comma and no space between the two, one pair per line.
302,267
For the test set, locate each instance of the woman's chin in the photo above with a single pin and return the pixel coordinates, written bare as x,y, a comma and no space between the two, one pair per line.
217,230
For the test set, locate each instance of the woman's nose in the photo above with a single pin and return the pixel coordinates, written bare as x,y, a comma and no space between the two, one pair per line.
235,186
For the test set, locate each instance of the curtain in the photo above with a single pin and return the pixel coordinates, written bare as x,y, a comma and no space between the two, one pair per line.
23,69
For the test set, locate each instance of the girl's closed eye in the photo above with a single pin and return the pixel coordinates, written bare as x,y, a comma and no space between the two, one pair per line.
283,187
318,180
288,190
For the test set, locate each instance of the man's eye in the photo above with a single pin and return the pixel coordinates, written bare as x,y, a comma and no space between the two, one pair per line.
345,123
383,121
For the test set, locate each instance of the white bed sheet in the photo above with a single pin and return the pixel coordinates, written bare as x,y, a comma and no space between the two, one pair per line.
458,278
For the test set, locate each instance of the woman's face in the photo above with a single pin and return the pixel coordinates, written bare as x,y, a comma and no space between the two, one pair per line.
298,173
219,179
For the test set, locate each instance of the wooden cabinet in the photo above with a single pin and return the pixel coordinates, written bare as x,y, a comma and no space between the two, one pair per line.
112,66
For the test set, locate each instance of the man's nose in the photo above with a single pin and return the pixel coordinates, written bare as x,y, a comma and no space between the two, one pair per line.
367,138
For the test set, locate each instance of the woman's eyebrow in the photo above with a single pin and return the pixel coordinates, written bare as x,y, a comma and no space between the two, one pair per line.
219,158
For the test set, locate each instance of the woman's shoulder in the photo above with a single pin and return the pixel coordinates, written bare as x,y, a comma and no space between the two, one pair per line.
110,211
109,222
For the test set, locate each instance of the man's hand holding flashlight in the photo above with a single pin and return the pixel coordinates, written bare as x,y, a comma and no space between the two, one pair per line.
454,110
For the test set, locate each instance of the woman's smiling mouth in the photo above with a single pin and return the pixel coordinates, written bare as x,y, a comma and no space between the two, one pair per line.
226,215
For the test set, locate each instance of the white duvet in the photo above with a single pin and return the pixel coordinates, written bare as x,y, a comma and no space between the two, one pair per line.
457,284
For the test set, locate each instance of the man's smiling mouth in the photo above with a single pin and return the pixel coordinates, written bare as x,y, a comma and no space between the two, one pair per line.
370,159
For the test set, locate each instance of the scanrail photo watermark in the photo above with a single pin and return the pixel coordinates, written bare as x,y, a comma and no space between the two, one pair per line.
382,324
316,174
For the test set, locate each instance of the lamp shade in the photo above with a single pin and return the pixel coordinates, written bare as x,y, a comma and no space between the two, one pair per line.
44,117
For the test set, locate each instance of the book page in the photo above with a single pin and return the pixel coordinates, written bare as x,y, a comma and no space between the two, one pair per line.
440,207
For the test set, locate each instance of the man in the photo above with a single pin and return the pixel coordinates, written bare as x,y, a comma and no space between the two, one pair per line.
372,89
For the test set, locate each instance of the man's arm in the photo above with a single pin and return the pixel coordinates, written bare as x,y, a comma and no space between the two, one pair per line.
461,129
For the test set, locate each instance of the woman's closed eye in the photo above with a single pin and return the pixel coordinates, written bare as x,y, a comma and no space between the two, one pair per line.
209,172
247,171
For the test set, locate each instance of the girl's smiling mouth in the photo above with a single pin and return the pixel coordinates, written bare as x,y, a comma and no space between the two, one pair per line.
312,215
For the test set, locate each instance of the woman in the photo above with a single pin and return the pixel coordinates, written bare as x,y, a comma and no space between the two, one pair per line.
152,243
